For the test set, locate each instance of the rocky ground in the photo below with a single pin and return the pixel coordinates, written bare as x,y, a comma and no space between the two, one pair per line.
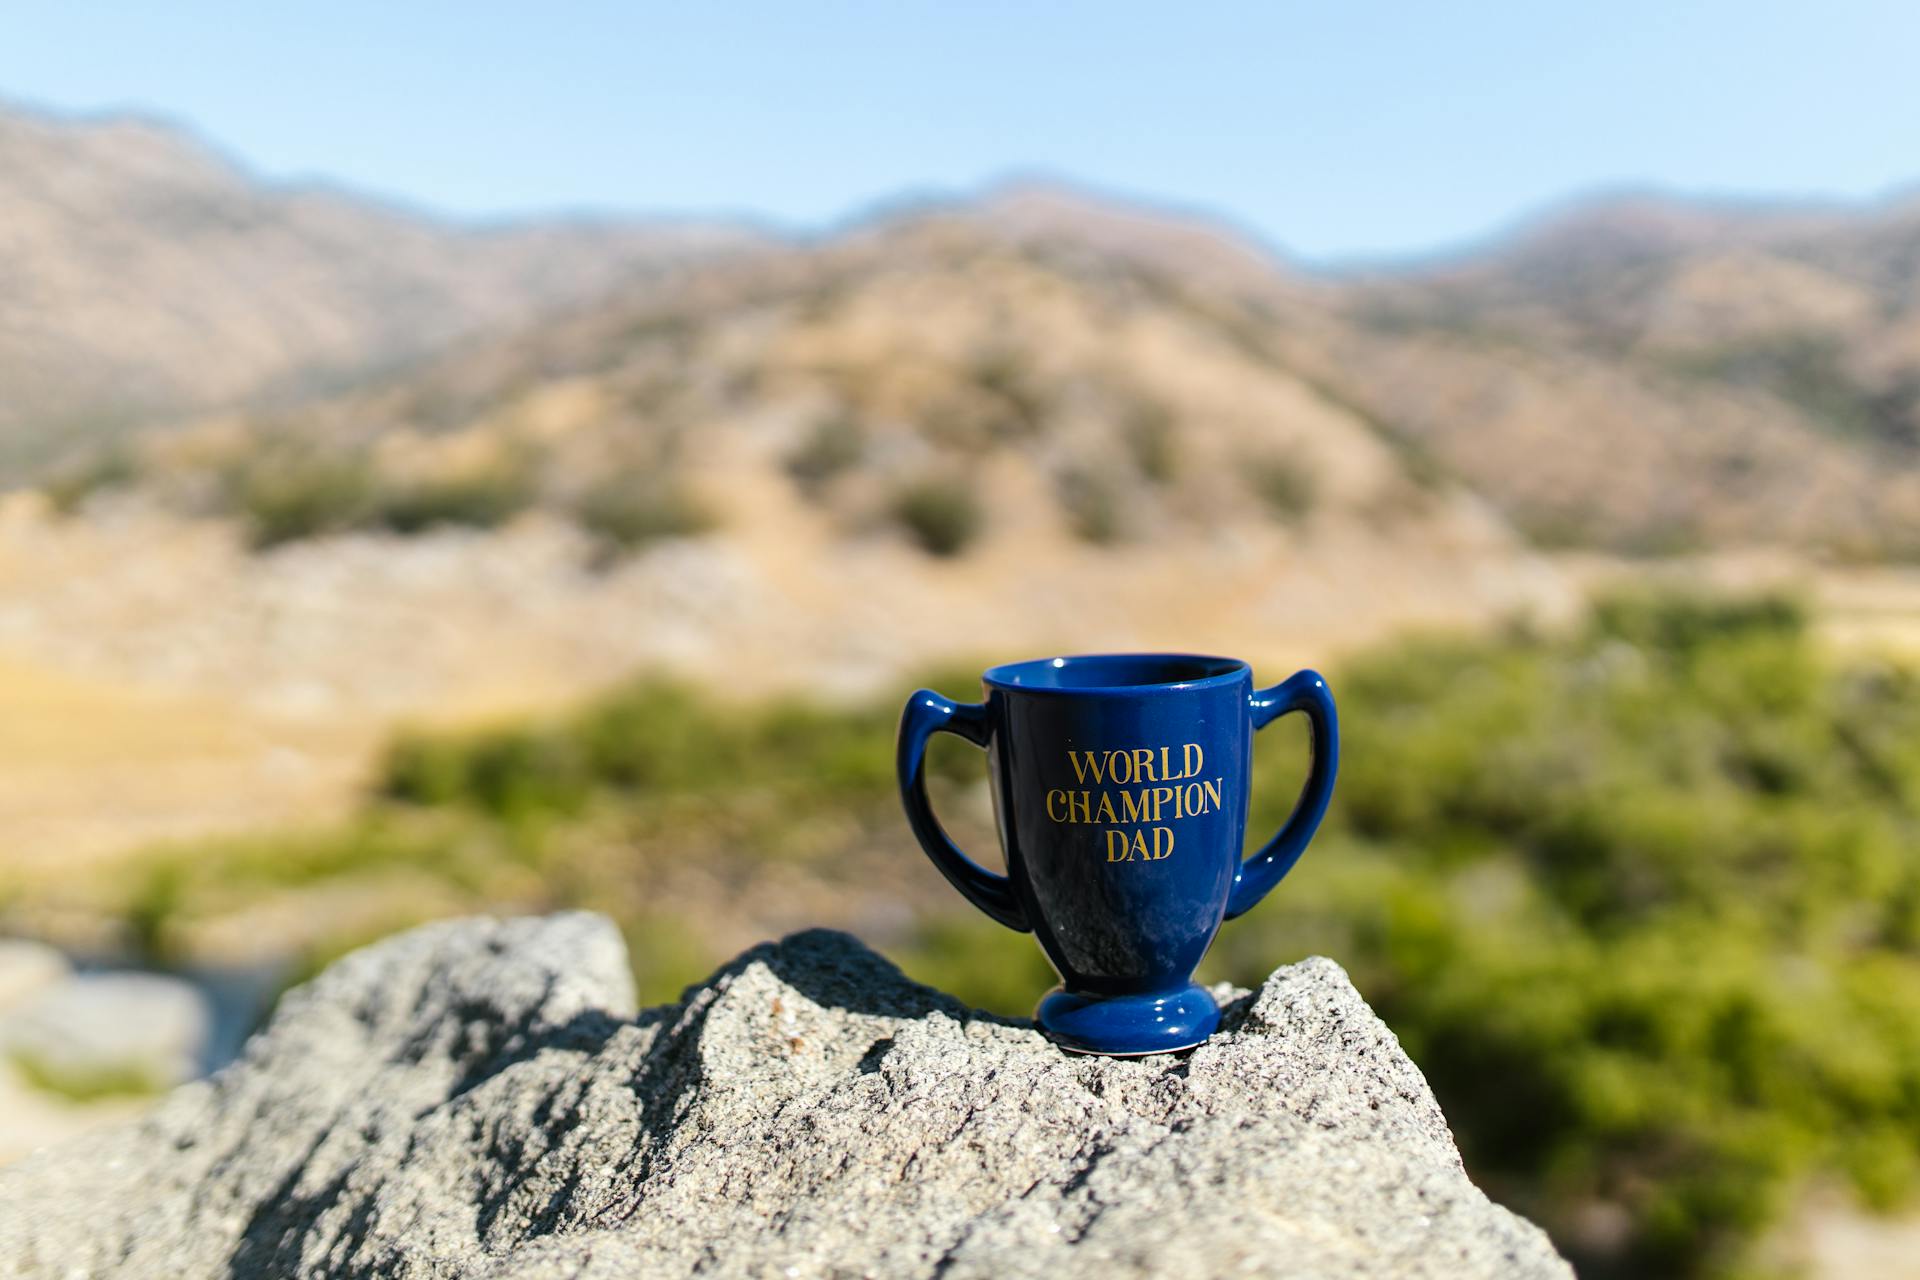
480,1098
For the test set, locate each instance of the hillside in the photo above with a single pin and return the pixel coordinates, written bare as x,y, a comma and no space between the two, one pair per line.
925,440
824,467
1038,422
1653,376
145,275
1640,377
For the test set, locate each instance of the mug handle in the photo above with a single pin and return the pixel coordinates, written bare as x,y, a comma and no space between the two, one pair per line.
1303,691
928,713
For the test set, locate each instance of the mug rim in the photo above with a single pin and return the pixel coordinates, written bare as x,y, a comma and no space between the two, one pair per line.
1005,675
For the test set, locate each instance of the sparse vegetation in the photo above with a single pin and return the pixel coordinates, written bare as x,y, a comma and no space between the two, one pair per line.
285,493
1095,506
289,491
1560,527
638,507
672,327
1008,378
652,737
833,446
1811,372
1418,462
1148,431
1007,392
68,491
942,515
1286,485
476,497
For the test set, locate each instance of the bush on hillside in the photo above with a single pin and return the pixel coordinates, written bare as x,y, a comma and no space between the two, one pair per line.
635,508
68,491
1095,505
942,515
478,498
1286,485
1013,385
833,446
286,493
1147,430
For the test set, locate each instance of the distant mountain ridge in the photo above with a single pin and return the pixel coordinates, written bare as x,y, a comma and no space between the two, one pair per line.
1651,376
1641,374
142,274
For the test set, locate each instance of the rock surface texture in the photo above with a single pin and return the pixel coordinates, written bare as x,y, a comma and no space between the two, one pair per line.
480,1099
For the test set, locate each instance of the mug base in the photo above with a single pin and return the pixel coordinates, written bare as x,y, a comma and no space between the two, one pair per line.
1129,1026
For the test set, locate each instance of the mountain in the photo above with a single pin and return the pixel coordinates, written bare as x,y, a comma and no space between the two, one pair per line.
934,439
1037,422
1044,420
1643,374
143,275
1650,375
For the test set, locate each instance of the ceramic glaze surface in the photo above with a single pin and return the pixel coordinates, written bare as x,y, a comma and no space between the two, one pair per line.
1120,788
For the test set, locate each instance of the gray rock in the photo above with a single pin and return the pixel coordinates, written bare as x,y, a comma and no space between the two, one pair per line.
479,1099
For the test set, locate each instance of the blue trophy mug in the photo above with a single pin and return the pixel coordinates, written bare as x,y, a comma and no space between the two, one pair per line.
1120,789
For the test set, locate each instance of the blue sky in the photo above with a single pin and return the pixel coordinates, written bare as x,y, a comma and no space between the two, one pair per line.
1331,129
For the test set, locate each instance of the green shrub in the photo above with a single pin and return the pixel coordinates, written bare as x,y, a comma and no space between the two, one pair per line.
1095,506
150,911
652,738
834,446
1148,433
286,493
480,498
636,508
1684,627
425,769
653,734
508,772
1287,486
521,771
1011,382
1418,462
69,490
943,516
